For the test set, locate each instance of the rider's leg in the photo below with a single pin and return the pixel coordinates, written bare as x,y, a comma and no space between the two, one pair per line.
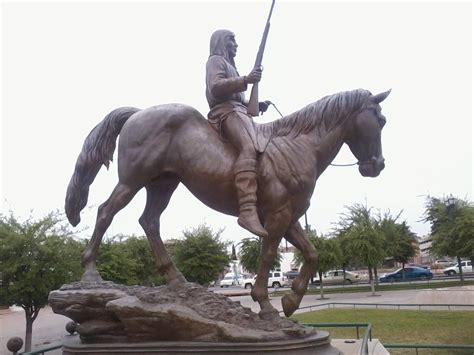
245,173
246,185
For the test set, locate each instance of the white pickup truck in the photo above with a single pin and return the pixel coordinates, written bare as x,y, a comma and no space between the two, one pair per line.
275,279
466,266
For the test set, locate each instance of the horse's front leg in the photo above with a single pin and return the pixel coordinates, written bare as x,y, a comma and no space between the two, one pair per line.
275,225
296,236
260,289
120,197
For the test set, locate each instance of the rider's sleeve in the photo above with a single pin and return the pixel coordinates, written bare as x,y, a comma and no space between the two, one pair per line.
222,83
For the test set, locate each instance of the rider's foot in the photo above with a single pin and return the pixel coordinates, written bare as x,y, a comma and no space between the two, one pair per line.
248,219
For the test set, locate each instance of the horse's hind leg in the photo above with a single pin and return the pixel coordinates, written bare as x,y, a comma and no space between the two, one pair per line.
119,198
158,195
296,236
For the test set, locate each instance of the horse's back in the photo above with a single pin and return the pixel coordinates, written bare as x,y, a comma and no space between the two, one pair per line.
166,138
160,120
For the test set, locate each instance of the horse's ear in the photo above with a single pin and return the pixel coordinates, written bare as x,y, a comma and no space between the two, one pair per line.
380,97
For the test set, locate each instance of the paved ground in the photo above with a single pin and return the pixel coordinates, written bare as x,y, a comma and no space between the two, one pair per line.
48,328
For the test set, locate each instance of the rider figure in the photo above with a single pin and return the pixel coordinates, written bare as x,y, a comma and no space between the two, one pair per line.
228,114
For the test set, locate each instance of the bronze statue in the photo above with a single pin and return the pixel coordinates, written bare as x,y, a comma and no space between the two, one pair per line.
225,95
164,145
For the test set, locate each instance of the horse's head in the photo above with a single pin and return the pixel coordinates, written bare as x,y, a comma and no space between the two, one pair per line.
364,136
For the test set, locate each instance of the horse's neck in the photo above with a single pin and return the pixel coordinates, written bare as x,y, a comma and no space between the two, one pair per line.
327,145
306,155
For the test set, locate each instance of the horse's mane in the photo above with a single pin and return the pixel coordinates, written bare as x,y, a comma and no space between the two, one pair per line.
327,113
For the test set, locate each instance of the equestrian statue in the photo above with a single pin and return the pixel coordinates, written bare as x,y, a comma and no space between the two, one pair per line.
222,160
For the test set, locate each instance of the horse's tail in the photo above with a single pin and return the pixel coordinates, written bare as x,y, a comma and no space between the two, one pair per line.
98,149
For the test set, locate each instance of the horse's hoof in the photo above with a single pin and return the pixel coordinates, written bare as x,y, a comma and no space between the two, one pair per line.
290,303
176,281
91,276
269,315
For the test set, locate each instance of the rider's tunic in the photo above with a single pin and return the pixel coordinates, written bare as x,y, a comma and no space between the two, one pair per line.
225,95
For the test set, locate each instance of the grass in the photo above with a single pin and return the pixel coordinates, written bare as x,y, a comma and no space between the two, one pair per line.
401,326
384,287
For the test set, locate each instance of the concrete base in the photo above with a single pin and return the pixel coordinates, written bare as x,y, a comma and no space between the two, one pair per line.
352,346
319,344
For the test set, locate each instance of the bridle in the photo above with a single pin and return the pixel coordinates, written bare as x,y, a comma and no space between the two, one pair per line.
338,165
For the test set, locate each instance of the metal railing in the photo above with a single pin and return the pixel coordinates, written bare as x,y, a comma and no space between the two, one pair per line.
44,350
430,346
382,305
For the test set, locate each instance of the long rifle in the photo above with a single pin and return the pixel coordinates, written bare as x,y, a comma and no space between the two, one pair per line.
252,107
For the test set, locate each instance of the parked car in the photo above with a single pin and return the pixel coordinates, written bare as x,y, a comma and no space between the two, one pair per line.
420,266
443,262
466,266
230,279
337,277
291,275
275,279
411,273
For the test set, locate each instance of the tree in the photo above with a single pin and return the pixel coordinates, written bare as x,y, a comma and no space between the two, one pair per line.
249,254
348,256
128,260
452,227
201,256
37,256
363,237
329,256
399,239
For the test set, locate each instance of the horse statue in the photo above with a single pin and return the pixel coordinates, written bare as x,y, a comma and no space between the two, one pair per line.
164,145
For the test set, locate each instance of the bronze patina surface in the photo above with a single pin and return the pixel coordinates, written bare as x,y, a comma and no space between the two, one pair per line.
165,145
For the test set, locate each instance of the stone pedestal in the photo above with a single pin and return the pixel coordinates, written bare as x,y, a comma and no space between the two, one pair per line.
318,344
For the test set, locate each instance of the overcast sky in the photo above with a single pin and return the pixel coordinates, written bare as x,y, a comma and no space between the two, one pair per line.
66,65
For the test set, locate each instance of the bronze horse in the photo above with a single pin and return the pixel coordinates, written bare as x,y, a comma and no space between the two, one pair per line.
164,145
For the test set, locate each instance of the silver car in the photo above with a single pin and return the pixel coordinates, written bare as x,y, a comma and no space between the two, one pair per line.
337,277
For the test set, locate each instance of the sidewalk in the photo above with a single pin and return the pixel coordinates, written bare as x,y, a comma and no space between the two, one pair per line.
48,328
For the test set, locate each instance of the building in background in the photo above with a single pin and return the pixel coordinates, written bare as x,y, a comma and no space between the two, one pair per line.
425,255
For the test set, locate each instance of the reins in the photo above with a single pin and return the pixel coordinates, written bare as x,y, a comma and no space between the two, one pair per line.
338,165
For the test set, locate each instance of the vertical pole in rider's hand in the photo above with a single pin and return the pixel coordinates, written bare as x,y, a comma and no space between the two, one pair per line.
252,107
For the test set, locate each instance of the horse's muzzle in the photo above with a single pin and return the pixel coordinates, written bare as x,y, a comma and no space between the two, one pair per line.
372,167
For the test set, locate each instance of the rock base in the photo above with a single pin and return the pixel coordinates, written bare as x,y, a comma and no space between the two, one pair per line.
115,314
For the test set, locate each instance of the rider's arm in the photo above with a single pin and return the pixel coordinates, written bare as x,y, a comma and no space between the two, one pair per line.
218,79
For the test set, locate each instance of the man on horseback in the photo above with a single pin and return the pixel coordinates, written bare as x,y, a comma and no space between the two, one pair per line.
228,114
